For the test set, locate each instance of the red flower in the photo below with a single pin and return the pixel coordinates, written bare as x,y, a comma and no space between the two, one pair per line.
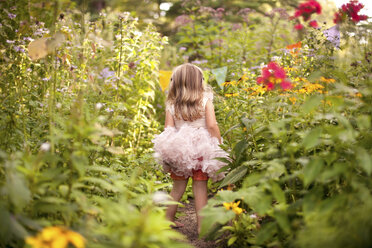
313,24
299,26
350,10
339,16
307,9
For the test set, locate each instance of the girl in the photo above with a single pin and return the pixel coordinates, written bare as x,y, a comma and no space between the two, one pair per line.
190,142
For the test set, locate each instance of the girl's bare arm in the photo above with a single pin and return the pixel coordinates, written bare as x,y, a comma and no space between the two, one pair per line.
211,122
168,120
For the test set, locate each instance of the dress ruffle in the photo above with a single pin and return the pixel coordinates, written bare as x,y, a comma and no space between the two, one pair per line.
178,151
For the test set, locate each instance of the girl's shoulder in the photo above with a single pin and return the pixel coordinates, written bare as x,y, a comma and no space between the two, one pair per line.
207,95
169,107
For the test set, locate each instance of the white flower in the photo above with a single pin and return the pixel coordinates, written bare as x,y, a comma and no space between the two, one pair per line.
58,105
160,197
99,105
45,147
253,216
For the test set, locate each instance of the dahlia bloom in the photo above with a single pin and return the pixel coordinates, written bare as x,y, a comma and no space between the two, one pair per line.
273,75
307,9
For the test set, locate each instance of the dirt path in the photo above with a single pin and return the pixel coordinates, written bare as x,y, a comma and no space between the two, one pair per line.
188,218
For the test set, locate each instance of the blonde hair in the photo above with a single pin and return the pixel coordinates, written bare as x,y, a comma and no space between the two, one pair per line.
186,92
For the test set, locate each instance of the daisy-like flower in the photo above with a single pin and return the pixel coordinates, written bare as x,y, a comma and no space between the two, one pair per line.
233,206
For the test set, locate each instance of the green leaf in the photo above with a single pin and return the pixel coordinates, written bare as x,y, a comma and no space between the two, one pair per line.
252,179
256,198
312,170
212,216
239,148
333,173
234,176
248,122
220,74
267,231
364,160
278,193
314,76
230,113
312,138
227,196
364,122
282,219
19,193
230,129
232,240
311,103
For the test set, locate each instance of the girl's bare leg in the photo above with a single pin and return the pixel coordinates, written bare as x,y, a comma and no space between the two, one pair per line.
201,198
178,189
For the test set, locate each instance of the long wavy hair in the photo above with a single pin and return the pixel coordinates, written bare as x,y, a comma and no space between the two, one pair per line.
186,92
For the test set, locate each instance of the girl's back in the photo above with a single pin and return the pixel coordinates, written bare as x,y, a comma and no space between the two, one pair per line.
191,138
200,122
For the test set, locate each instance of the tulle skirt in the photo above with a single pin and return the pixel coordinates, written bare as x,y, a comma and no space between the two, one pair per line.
179,151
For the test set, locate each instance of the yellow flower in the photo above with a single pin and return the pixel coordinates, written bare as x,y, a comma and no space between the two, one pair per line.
237,210
327,80
233,206
59,242
231,94
227,205
35,242
278,80
358,94
56,237
50,233
244,129
76,239
243,78
292,99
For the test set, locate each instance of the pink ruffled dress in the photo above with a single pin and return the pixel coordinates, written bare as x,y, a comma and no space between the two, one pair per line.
180,148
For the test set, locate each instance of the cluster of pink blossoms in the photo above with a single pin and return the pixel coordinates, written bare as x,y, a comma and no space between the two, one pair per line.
274,75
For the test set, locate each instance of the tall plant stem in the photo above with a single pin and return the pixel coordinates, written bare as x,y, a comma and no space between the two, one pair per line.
275,25
120,56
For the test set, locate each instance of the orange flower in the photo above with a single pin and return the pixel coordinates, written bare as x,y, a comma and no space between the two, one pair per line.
297,45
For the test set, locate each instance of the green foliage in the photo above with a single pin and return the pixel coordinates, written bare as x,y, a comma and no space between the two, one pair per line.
300,158
77,128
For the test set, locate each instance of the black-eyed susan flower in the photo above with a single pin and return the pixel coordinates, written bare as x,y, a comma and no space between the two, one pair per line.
56,237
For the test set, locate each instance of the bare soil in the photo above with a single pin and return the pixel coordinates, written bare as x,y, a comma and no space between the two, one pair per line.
188,218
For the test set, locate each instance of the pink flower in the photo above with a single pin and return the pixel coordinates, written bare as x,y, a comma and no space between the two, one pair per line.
259,80
299,26
280,73
272,66
270,86
286,85
273,75
266,73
